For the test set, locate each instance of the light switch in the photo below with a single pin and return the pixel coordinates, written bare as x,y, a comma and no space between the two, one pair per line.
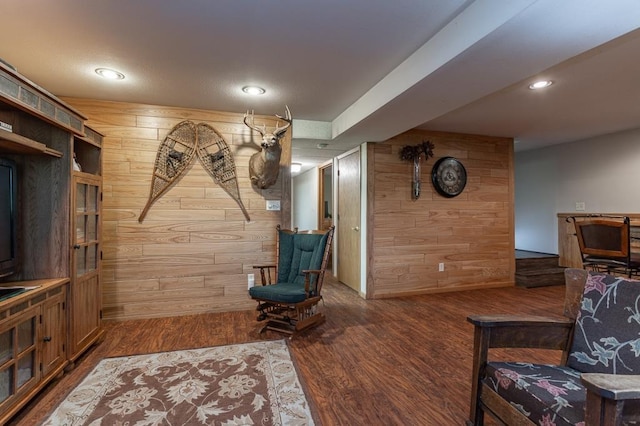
273,205
580,206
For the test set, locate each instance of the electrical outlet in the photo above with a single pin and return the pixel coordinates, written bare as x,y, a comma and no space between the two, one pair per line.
580,206
273,205
441,267
251,280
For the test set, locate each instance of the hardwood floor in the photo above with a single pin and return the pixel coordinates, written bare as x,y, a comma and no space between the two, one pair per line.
404,361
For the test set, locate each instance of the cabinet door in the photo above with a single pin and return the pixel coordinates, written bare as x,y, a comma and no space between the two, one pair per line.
53,332
18,372
85,288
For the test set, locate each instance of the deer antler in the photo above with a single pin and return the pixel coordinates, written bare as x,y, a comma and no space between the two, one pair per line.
253,126
279,131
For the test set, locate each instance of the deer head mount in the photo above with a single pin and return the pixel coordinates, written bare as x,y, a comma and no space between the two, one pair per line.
264,166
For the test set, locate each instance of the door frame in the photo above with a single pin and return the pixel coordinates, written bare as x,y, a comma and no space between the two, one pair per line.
323,169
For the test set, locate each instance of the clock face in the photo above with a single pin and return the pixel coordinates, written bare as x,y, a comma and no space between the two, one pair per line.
449,176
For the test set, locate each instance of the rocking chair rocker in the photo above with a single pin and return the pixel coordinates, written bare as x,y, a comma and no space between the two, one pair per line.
291,303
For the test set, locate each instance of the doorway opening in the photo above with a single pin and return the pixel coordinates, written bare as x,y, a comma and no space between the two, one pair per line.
325,197
325,202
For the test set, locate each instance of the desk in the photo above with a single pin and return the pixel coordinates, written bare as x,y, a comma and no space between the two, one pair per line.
568,250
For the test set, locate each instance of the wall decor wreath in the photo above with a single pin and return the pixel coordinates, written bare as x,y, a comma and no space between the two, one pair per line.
415,153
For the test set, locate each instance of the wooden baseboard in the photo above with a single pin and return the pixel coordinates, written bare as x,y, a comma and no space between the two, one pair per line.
437,290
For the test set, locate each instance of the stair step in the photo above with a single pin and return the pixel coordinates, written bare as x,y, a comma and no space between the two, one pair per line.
540,277
541,271
536,263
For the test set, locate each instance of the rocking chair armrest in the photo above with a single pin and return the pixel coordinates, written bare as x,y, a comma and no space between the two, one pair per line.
612,386
517,331
265,279
263,266
307,273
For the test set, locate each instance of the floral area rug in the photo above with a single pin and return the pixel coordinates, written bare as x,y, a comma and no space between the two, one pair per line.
247,384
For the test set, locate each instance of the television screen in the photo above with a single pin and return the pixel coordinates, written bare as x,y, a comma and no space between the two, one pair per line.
7,216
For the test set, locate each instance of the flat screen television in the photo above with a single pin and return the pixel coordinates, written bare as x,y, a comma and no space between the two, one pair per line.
8,216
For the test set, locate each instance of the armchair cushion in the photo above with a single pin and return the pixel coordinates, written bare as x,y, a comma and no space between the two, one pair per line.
607,331
546,394
299,252
280,292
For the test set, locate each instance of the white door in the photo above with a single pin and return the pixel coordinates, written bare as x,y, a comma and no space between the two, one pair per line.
348,223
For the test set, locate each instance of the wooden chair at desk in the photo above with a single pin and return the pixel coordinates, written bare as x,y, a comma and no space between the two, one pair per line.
605,245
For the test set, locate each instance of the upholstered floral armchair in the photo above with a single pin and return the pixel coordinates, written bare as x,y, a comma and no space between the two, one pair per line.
598,382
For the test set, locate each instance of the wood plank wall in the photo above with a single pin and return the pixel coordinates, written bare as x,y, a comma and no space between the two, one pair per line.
194,249
472,234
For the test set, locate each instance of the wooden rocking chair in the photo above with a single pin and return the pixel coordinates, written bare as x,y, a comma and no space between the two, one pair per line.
291,303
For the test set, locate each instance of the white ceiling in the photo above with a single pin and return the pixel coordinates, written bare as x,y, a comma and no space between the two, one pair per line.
350,70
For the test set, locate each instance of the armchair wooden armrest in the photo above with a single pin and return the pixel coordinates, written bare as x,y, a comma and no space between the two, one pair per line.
513,331
307,278
606,395
517,331
612,386
265,279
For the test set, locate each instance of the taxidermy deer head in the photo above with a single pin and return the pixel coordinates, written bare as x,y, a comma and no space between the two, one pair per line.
264,166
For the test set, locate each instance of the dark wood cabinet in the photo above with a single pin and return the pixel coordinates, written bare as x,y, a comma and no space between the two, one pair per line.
58,234
32,342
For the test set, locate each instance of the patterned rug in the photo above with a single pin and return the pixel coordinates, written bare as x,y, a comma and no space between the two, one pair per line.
248,384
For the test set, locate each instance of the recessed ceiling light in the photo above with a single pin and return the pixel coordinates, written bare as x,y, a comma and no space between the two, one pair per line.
540,84
109,74
296,167
253,90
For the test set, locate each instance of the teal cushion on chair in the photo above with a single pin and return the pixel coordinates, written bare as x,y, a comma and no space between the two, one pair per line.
282,292
299,252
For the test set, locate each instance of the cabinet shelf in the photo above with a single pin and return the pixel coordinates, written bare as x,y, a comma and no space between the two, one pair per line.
87,152
16,144
37,286
88,140
83,174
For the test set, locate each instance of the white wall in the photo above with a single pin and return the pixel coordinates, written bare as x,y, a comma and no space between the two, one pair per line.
602,172
304,201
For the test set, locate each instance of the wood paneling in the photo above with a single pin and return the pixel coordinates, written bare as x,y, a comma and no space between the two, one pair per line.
472,234
193,250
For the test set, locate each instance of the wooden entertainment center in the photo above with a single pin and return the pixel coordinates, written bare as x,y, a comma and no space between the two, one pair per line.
44,329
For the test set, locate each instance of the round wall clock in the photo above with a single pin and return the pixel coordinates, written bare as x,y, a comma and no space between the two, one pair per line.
449,176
